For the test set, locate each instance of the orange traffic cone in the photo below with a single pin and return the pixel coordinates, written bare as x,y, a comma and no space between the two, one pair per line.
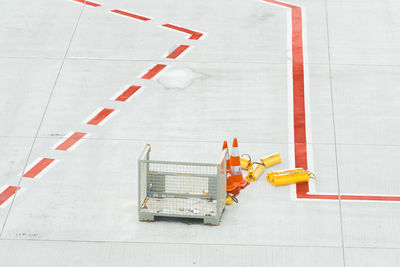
230,183
235,168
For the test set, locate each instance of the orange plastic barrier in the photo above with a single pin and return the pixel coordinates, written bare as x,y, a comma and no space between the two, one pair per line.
231,186
236,169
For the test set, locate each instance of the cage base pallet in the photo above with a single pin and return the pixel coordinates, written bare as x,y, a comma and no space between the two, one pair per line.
198,208
207,220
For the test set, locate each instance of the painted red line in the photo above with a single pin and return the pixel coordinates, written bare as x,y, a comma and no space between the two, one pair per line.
280,3
128,93
300,141
194,35
7,193
124,13
40,166
178,51
70,141
100,116
352,197
88,3
154,71
299,114
373,198
318,196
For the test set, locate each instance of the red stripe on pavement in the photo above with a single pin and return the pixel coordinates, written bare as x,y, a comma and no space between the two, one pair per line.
300,141
154,71
128,93
70,141
179,50
100,116
7,193
88,3
194,35
317,196
280,3
352,197
372,198
124,13
40,166
299,114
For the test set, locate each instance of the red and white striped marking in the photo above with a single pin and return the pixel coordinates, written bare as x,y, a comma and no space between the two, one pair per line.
70,141
39,167
130,15
127,94
89,3
153,71
100,116
194,35
6,192
179,51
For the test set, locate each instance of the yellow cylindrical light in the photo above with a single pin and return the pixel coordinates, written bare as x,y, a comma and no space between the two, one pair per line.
271,160
286,177
245,163
272,174
254,172
290,179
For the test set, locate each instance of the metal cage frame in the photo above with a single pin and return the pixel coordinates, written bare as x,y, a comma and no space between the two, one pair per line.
152,172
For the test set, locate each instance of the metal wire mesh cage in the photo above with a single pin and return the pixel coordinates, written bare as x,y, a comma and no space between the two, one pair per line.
181,189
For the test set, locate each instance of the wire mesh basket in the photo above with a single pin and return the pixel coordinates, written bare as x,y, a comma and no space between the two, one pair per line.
181,189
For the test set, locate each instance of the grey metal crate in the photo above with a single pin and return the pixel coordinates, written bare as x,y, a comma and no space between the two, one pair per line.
181,189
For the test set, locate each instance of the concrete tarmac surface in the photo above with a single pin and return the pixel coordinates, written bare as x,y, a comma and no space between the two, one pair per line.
316,80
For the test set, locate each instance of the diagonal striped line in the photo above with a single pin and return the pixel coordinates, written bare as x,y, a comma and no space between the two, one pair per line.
38,168
72,140
178,51
93,4
193,34
154,71
99,117
131,15
7,193
128,93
